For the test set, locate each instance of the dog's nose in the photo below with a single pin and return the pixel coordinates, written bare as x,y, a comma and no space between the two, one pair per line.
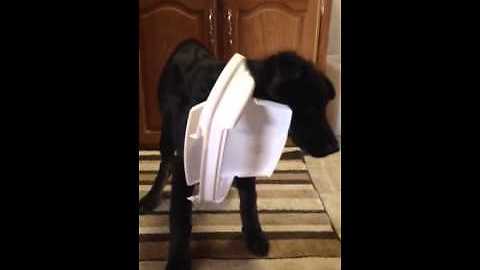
325,151
332,148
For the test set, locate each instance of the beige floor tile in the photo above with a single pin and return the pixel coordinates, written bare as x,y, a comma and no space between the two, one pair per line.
311,263
326,177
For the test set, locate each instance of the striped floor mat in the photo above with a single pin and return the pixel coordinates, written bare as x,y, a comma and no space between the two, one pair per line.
291,213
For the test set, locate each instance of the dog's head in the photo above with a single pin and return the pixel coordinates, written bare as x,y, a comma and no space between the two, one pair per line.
289,79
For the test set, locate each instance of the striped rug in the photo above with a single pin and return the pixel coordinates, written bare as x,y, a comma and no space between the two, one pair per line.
291,213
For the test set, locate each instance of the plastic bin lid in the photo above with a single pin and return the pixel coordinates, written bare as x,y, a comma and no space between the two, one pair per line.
232,134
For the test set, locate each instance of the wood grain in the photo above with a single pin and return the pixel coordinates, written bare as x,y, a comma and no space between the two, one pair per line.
163,25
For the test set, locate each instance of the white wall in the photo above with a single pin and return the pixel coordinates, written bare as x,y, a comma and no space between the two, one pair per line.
334,35
334,65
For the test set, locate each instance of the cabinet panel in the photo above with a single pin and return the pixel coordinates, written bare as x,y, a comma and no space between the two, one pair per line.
163,25
258,28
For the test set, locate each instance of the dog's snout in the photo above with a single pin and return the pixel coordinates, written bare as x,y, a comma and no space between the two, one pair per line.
326,150
332,148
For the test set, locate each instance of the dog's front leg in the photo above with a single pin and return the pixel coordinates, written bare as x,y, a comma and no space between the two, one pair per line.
179,257
255,238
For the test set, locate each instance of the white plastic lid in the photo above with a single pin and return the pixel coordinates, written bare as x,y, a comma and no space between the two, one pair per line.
232,134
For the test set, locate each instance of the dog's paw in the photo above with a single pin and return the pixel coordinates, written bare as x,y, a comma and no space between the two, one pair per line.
179,264
257,243
148,203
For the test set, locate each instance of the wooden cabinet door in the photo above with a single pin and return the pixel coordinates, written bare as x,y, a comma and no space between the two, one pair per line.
259,28
163,25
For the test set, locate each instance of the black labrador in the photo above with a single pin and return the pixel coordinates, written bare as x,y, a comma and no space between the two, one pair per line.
187,79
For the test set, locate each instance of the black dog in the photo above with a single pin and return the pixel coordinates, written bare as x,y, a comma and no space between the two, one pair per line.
187,79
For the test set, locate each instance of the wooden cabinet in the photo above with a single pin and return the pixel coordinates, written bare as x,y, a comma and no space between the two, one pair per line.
254,28
257,28
164,24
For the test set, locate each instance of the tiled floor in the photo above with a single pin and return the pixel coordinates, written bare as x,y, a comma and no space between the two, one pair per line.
325,173
308,263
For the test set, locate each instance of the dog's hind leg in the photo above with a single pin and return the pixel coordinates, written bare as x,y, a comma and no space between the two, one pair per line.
256,240
179,257
152,199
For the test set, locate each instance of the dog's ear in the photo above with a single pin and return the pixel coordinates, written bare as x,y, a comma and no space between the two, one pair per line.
282,66
290,66
274,71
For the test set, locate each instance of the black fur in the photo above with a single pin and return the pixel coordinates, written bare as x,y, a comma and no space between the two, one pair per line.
187,79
